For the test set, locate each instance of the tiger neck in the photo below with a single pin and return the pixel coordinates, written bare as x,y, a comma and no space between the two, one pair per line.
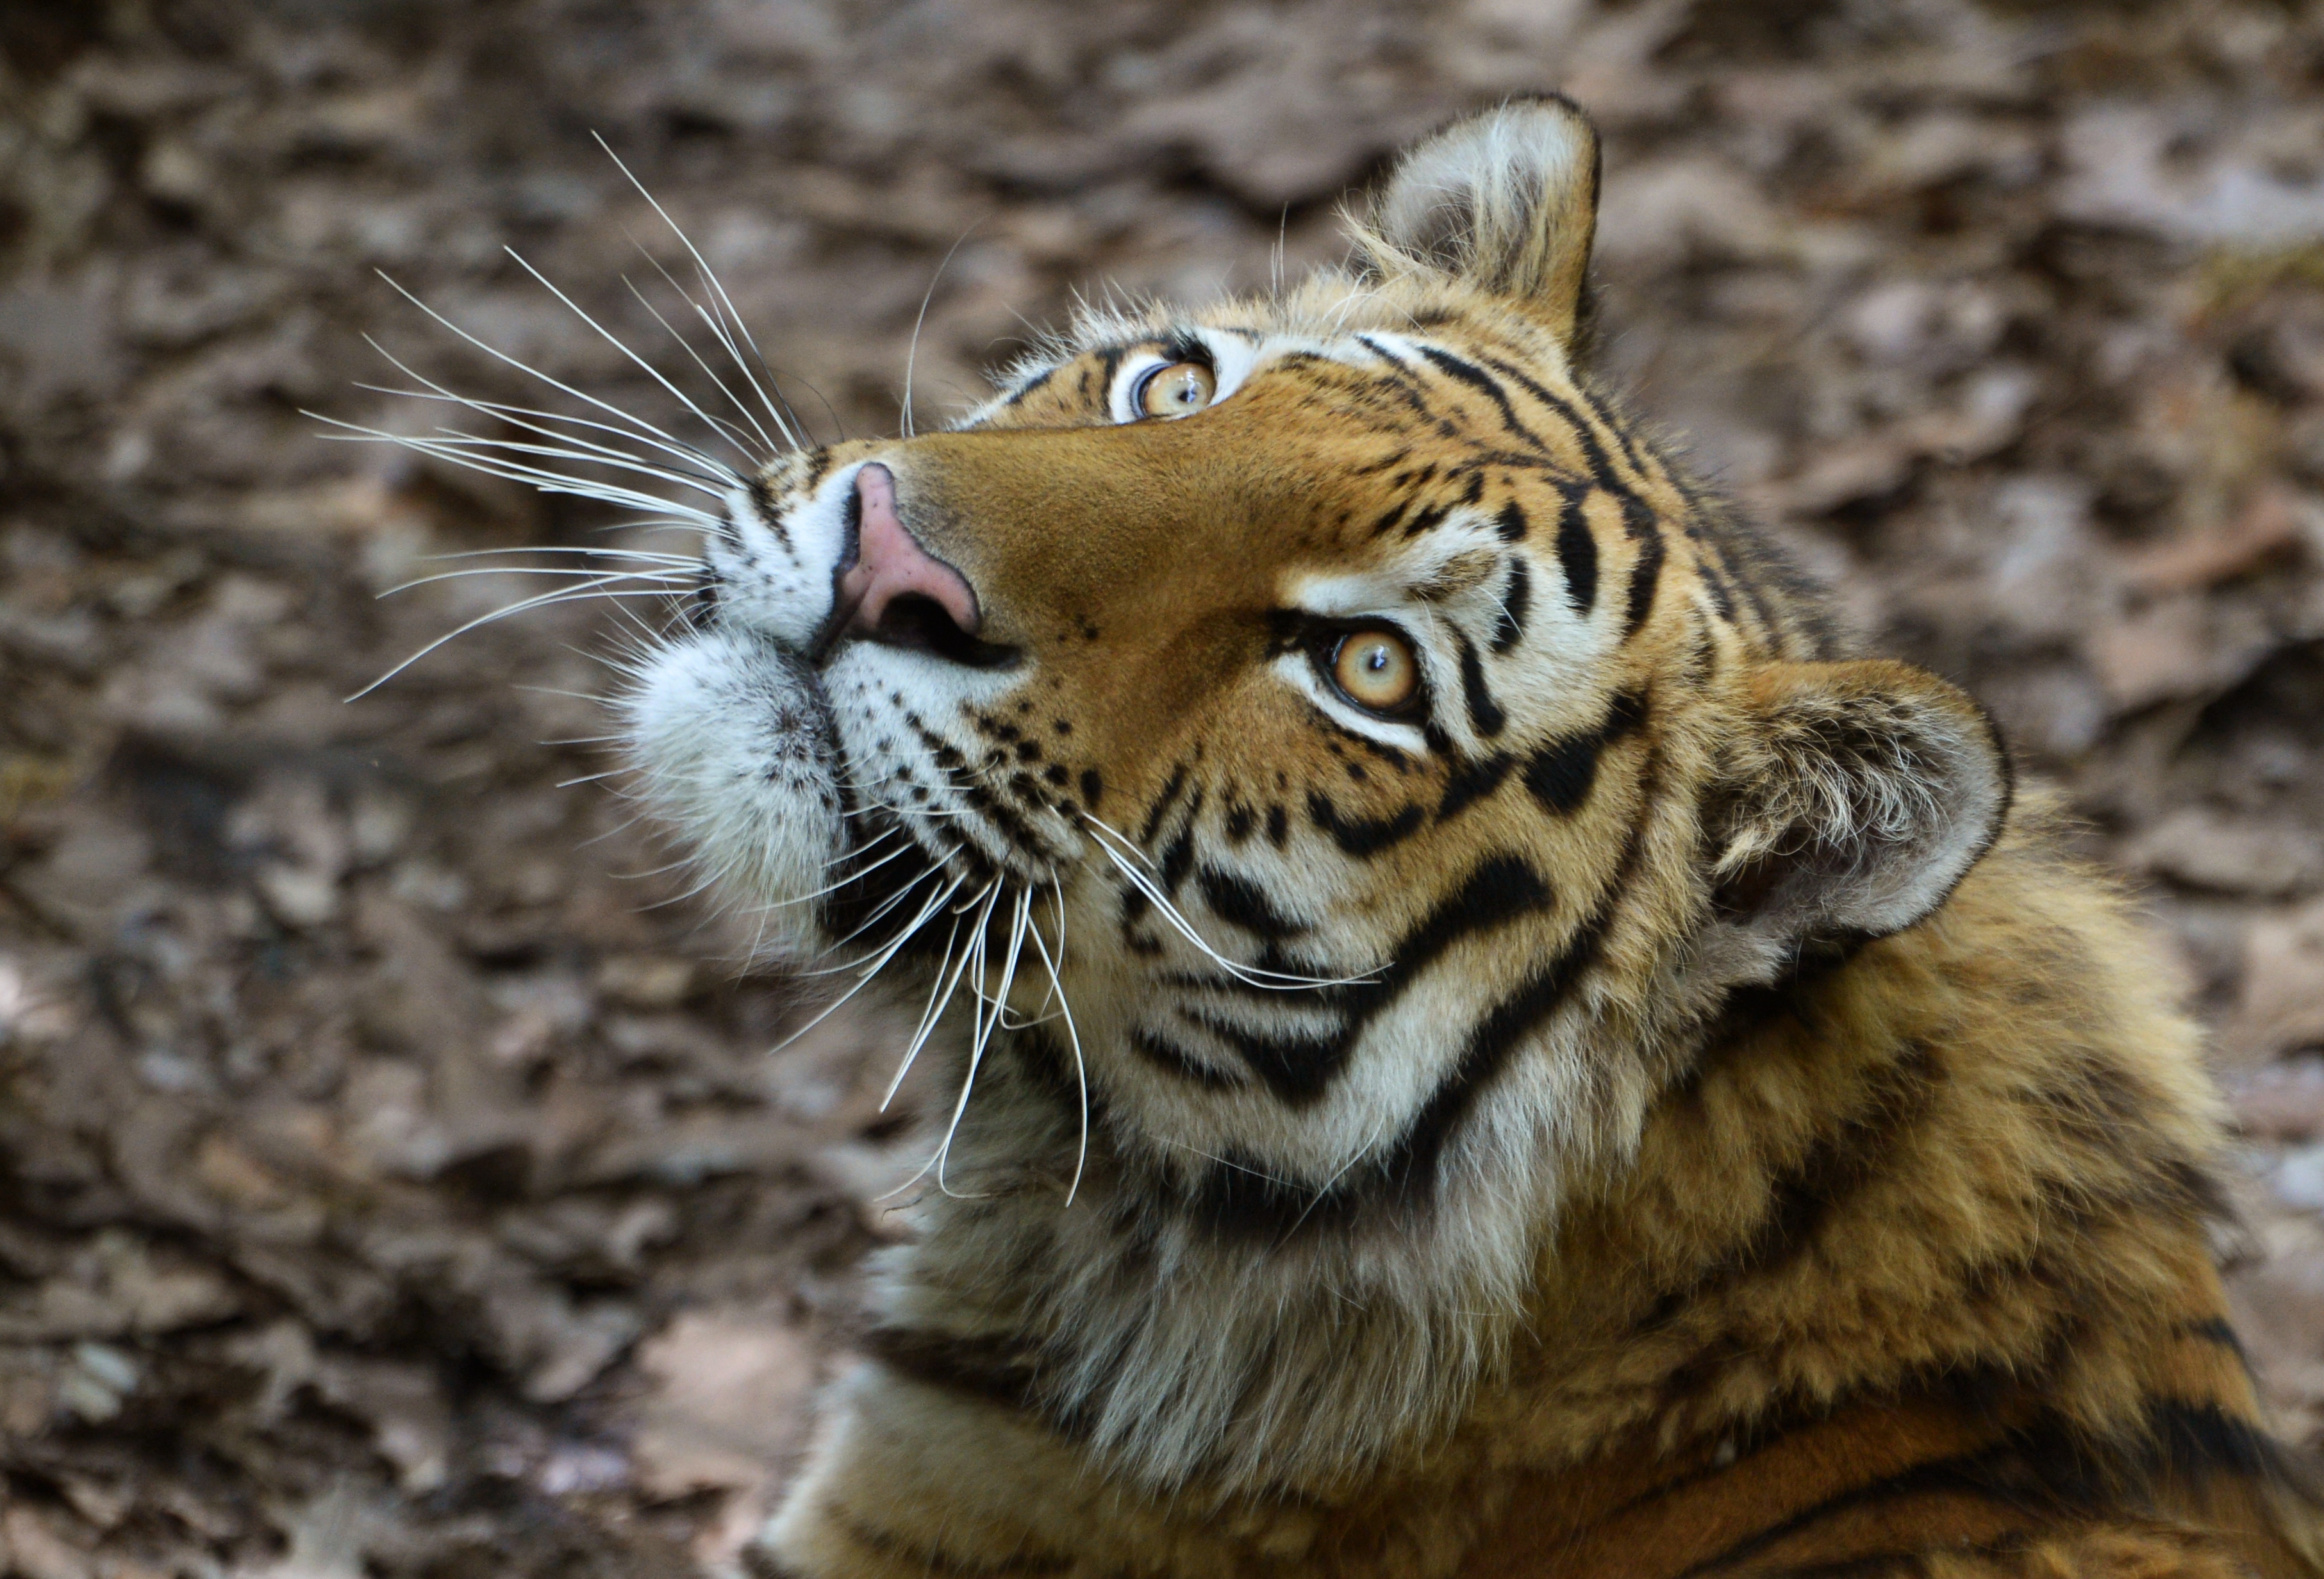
1980,1147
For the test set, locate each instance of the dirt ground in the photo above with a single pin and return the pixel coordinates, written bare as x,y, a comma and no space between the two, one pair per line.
394,1175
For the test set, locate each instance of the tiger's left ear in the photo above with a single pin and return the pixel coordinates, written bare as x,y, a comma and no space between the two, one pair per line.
1506,201
1853,802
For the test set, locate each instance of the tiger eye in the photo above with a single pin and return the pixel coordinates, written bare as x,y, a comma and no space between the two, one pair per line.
1376,670
1176,391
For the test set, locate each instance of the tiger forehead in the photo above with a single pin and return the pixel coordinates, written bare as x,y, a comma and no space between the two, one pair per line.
1424,434
1068,379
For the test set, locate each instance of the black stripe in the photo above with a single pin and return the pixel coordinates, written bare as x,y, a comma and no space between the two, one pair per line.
1030,385
1240,902
1360,837
771,511
1475,377
988,1368
1297,1067
1471,781
2194,1440
1236,1198
1987,1474
1577,551
1178,857
1413,1163
1498,890
2217,1330
1485,714
1511,522
1427,520
1516,602
1643,576
1240,820
1169,1057
1594,460
1161,806
1563,773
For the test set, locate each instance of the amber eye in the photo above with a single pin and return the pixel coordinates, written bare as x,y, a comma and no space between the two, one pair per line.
1375,669
1176,391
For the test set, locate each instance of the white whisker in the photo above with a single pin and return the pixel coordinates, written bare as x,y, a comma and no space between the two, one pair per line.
939,999
985,1024
660,577
1278,980
545,481
685,561
1073,1036
871,974
559,385
622,346
912,350
763,445
563,595
525,416
788,431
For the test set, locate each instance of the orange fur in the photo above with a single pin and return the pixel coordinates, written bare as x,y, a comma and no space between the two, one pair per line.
1660,1106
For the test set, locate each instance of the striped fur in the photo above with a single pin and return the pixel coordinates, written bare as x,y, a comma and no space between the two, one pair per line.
1660,1107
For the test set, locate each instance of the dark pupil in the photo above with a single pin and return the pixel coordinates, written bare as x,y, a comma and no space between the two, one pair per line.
1375,658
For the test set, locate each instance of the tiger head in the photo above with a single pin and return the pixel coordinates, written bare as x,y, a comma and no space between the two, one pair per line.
1336,768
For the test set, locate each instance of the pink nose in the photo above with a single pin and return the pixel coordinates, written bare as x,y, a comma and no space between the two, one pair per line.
890,565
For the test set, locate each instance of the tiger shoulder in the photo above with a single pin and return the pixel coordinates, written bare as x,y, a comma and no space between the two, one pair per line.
1482,1036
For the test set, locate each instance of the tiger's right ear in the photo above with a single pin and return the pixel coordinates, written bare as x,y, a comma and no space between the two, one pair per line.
1506,201
1854,797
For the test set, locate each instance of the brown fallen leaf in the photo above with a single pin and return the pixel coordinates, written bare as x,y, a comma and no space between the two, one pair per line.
2268,527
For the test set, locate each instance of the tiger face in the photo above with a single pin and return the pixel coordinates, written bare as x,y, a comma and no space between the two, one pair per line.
1332,765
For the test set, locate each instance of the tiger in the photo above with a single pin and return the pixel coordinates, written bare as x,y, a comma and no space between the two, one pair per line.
1481,1033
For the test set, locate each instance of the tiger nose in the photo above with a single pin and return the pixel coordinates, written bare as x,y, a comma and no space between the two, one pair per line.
886,593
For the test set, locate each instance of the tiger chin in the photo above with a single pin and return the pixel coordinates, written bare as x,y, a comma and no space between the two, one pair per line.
1483,1036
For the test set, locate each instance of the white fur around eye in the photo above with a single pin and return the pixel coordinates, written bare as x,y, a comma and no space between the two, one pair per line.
1299,669
1231,358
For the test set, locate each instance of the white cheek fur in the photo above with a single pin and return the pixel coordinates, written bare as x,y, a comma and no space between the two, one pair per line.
733,745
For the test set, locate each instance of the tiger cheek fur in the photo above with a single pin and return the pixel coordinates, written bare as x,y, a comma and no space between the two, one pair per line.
1485,1037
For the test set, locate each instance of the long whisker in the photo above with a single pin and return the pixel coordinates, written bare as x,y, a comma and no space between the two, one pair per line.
559,385
673,446
986,1024
765,444
912,350
1273,980
857,875
663,577
545,481
596,454
710,277
681,561
939,999
872,973
622,346
562,595
1073,1036
970,950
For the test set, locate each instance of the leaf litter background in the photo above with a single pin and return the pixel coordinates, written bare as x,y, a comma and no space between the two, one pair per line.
394,1175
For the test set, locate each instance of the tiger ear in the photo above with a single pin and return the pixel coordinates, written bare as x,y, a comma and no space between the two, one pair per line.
1506,201
1858,796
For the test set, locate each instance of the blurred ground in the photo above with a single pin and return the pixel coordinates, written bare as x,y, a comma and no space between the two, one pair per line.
386,1188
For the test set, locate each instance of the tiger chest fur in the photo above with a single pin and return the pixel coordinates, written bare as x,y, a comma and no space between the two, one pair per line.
1486,1040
